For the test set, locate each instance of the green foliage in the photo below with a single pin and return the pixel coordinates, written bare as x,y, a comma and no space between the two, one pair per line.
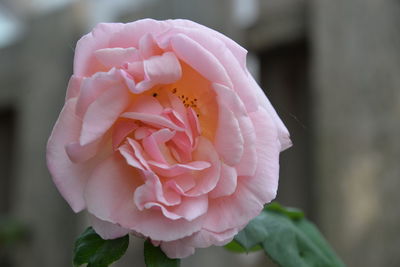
288,238
90,248
154,257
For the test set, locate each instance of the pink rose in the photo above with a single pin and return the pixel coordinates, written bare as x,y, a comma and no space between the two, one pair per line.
165,134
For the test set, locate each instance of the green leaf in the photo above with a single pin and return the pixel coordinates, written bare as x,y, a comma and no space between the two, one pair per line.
234,246
154,257
288,238
90,248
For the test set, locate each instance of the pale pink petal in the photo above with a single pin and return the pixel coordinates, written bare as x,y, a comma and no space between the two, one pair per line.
264,184
164,69
178,169
228,137
128,153
143,132
93,87
248,161
263,101
238,51
111,187
131,34
154,192
199,59
151,119
181,184
78,153
146,104
227,182
106,229
207,179
102,113
154,145
117,56
191,207
253,191
135,69
69,178
85,62
74,87
185,247
121,130
111,199
138,152
148,47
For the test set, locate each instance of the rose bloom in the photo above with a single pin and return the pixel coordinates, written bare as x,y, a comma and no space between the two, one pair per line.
166,135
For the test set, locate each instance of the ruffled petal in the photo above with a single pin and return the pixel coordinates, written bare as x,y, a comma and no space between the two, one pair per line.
102,113
164,69
111,199
198,58
151,119
117,56
178,169
252,191
69,178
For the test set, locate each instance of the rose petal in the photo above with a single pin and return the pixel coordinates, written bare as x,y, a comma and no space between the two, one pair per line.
69,178
252,192
106,229
93,87
155,147
207,179
74,87
167,170
199,58
102,113
151,119
228,138
121,130
77,153
85,62
162,69
111,200
185,247
227,182
248,162
263,101
117,56
146,104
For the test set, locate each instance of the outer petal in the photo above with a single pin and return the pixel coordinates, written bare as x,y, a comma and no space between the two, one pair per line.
186,246
69,178
106,229
238,51
85,62
263,101
252,192
74,87
117,56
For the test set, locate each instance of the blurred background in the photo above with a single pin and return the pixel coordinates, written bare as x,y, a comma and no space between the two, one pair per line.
331,69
